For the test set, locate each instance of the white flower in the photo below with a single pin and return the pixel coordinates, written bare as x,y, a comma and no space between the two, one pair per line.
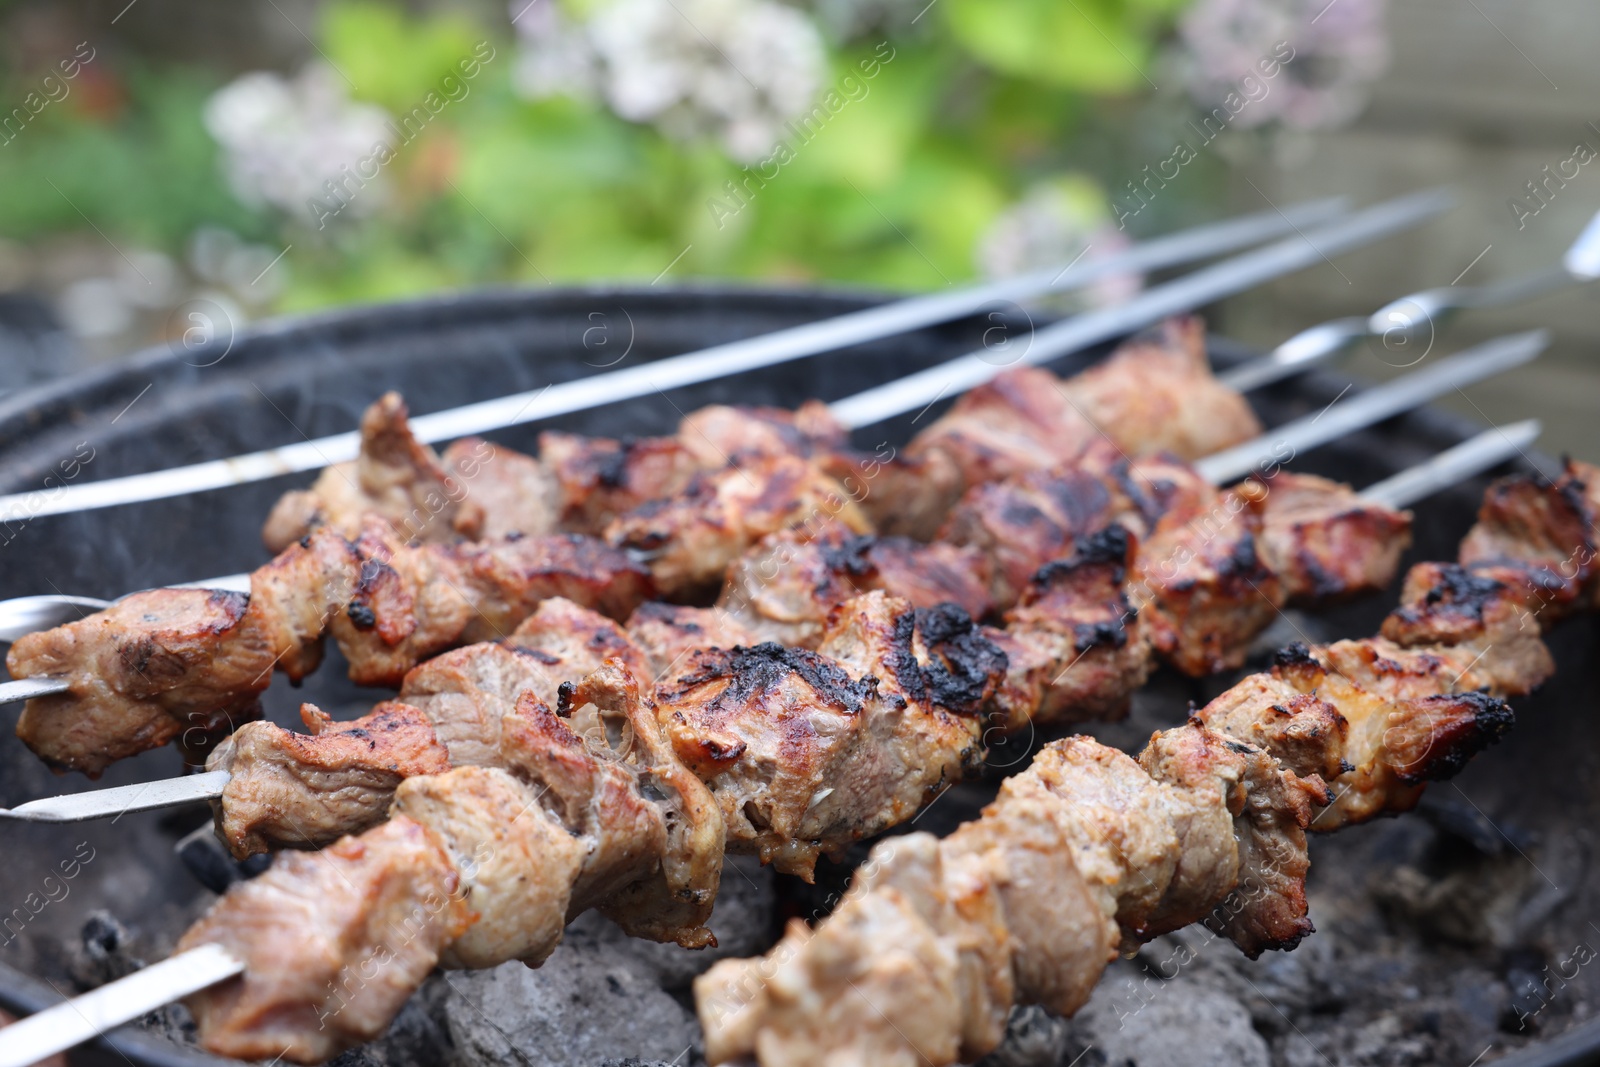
1340,48
1054,224
737,70
556,57
284,139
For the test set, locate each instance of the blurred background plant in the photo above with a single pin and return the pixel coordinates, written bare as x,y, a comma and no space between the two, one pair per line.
390,151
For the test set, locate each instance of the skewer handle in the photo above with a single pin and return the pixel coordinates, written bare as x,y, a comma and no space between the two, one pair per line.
1475,455
86,1017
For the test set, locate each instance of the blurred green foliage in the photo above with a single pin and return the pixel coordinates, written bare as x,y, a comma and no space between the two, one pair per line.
982,99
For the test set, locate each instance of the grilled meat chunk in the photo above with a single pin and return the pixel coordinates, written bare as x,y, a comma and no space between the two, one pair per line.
506,493
599,478
517,862
715,434
309,790
1323,541
1156,394
1539,539
573,641
1020,420
785,587
806,752
693,537
1023,523
410,604
334,943
1445,605
1202,587
467,693
1075,647
154,667
901,495
395,478
668,633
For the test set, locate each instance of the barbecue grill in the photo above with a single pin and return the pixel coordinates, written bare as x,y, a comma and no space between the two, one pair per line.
280,384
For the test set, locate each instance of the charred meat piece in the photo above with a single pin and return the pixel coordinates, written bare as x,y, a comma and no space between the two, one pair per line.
1020,420
395,478
599,478
1022,523
785,587
1156,394
1444,605
1538,538
808,752
155,667
668,633
1324,541
1203,589
693,537
1075,646
308,790
334,942
1396,737
718,432
412,603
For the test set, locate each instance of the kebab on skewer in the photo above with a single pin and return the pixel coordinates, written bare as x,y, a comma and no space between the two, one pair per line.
392,643
389,605
1155,394
1217,593
1088,850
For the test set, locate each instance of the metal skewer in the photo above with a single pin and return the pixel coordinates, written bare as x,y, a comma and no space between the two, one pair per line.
921,390
1412,320
86,1017
1487,450
719,361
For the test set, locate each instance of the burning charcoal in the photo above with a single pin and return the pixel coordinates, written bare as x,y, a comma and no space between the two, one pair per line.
576,1010
208,860
417,1035
104,953
1135,1018
742,921
1034,1038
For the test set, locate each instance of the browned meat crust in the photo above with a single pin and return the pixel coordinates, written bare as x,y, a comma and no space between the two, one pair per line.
784,588
1157,394
154,667
807,752
668,633
188,665
395,478
1075,647
599,478
693,537
337,940
308,790
1323,541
